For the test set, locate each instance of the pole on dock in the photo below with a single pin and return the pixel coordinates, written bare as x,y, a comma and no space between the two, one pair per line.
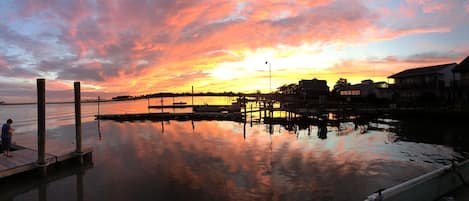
41,125
76,86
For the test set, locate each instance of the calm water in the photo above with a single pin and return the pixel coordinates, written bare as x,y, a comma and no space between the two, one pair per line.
221,160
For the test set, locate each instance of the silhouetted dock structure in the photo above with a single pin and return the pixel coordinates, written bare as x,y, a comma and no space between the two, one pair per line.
177,106
173,116
33,153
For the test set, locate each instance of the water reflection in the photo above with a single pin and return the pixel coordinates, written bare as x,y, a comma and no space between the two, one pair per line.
31,187
221,160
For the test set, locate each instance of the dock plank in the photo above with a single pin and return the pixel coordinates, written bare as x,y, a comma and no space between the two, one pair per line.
24,159
21,160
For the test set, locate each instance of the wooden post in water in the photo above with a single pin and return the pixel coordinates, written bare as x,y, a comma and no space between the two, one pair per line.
99,100
41,125
245,114
99,121
78,150
162,104
251,114
260,113
192,95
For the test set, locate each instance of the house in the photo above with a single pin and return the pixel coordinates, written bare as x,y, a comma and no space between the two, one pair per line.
313,88
367,89
461,71
432,83
313,91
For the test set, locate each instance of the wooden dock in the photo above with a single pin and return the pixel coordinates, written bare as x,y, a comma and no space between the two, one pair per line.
37,152
183,106
25,156
165,116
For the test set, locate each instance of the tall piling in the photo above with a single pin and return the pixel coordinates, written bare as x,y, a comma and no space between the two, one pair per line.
41,125
78,150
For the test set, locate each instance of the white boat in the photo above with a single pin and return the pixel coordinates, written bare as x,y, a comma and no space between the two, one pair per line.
430,186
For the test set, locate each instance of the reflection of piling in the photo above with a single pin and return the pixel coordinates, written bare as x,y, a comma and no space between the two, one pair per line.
260,112
251,115
99,121
79,185
42,191
162,104
245,114
41,125
78,137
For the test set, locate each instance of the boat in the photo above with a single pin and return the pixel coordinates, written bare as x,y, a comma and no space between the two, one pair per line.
430,186
179,103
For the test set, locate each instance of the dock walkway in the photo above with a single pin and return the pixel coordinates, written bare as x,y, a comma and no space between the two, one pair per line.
236,116
25,156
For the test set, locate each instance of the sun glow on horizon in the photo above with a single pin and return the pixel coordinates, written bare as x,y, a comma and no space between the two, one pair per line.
133,48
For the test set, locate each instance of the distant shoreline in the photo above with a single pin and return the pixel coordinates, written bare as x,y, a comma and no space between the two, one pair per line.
51,103
157,95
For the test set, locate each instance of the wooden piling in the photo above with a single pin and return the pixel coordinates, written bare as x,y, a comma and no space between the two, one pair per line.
41,123
162,105
78,150
251,114
245,113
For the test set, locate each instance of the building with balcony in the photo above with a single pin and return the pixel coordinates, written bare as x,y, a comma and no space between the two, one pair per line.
426,84
367,89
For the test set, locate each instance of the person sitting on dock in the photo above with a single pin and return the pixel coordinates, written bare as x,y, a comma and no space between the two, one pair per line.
7,133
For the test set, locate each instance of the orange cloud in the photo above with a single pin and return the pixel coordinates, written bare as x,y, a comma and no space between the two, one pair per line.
151,46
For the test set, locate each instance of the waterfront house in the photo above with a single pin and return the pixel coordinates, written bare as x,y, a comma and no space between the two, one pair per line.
461,71
313,90
425,84
367,89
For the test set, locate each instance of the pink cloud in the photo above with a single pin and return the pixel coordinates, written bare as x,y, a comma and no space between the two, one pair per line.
161,44
430,6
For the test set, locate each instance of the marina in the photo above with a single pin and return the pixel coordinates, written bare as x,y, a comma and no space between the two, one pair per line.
259,155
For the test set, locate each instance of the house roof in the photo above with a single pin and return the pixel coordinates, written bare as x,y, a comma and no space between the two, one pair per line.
463,66
421,71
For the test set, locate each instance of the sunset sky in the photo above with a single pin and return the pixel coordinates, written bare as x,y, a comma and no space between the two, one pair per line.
133,47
